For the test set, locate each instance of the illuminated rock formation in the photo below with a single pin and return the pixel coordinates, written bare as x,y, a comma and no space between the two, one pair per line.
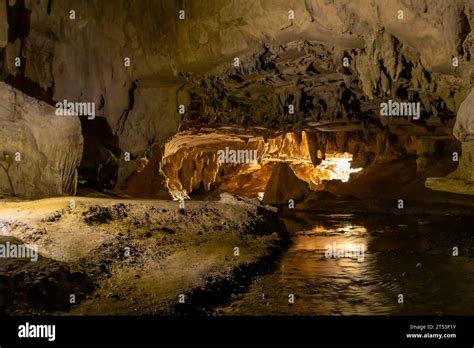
243,164
284,186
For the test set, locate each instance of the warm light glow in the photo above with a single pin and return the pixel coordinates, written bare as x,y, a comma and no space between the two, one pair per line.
191,161
295,151
336,166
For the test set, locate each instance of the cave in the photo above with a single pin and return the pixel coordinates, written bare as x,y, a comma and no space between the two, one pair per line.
245,157
208,164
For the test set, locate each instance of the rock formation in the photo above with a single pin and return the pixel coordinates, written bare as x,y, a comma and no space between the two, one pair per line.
462,179
155,67
284,186
39,151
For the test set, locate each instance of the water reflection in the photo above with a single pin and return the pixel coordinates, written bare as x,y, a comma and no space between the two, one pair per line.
401,255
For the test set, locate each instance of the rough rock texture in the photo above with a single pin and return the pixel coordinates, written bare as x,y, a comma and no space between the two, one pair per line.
462,179
39,151
282,62
149,181
192,163
464,127
284,185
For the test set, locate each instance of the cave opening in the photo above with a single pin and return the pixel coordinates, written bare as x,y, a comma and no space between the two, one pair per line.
98,170
273,169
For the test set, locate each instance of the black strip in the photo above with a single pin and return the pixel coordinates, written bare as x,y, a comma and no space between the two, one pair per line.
239,330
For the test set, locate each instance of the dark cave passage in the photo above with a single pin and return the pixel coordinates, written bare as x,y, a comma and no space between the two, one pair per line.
100,158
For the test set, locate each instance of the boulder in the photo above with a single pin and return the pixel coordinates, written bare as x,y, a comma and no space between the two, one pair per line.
464,126
39,151
462,179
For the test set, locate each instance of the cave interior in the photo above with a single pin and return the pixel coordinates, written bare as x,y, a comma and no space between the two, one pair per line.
321,106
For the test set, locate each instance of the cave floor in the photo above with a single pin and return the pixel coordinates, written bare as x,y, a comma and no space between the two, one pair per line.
134,257
125,257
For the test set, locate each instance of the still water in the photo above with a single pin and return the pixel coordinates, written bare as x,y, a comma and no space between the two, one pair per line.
361,265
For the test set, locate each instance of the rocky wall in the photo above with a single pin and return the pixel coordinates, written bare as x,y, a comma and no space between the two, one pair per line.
39,151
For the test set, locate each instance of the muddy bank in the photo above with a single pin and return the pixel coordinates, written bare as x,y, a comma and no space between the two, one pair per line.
138,256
